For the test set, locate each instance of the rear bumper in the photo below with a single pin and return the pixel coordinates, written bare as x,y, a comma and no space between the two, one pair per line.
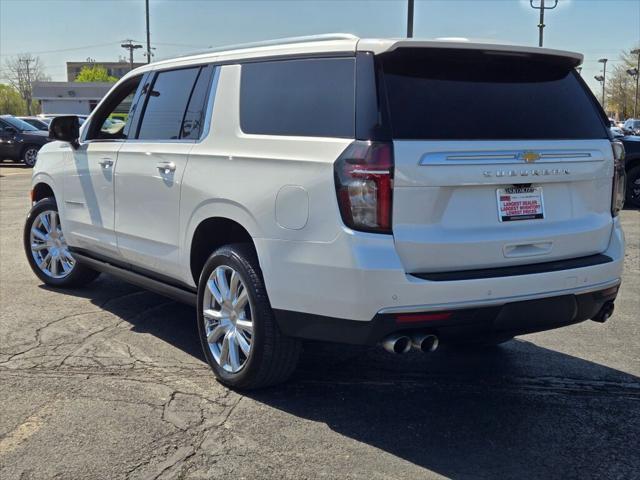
510,319
358,276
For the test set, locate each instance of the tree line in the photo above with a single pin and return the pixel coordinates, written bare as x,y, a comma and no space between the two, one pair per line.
16,97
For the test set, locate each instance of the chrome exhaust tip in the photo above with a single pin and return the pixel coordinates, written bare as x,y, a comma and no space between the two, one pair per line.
425,343
396,343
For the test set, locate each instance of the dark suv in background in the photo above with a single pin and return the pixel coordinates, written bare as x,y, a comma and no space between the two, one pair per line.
19,140
632,166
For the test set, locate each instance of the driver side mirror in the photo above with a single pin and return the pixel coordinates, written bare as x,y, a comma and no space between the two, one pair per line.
65,129
9,132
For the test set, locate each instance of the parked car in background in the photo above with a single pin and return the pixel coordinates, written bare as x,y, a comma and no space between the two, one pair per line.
36,122
47,117
617,132
632,167
20,140
631,127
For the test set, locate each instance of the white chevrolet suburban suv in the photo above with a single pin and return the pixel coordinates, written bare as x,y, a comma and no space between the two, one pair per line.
395,192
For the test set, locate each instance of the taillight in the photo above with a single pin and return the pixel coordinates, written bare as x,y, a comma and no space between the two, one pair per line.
619,178
364,184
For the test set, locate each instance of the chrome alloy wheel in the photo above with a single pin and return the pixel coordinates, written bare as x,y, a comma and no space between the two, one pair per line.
228,319
48,246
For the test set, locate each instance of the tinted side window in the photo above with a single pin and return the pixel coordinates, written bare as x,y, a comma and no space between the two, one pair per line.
166,104
309,97
194,117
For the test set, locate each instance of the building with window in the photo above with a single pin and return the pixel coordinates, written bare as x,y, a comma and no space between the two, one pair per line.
115,69
72,98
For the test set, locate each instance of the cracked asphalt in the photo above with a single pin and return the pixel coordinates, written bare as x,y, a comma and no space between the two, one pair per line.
108,382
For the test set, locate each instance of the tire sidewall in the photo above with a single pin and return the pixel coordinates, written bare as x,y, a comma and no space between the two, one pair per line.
229,257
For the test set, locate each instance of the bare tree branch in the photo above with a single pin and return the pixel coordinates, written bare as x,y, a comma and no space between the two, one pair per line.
22,71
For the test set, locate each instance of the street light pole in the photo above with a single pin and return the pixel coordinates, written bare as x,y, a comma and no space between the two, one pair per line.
410,18
635,105
542,8
603,61
146,4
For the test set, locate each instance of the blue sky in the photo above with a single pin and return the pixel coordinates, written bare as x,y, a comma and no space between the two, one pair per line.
65,30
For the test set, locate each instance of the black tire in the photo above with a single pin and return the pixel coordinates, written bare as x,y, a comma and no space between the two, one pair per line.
79,275
633,187
29,154
273,357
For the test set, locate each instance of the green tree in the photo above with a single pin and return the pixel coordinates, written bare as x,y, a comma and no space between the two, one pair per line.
95,73
11,101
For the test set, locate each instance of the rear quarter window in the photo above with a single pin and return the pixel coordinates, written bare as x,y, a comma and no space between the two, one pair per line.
458,95
307,97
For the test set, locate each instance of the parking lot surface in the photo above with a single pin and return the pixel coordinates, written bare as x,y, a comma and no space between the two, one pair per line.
109,382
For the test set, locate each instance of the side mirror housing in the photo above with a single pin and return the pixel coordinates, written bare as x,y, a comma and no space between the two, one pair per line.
9,131
65,129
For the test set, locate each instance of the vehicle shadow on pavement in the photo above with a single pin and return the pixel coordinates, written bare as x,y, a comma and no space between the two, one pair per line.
518,410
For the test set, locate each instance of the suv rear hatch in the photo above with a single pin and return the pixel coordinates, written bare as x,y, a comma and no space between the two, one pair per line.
501,159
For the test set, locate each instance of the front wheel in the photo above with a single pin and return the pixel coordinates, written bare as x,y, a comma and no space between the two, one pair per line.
47,250
30,155
240,338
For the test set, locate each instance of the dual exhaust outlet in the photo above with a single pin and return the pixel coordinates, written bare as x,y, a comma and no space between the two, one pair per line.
398,343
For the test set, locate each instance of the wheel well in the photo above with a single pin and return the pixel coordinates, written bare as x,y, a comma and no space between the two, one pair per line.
42,190
212,234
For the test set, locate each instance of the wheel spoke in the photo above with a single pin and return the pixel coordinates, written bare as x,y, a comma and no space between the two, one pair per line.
211,314
224,352
233,284
38,234
45,261
221,282
242,343
54,265
241,301
36,247
234,357
245,325
215,292
216,333
45,222
54,222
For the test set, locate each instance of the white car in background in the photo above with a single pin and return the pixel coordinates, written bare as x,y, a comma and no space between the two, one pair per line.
321,188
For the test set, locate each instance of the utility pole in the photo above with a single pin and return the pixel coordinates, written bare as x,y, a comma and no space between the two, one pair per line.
635,105
129,45
542,8
409,18
603,61
29,98
146,4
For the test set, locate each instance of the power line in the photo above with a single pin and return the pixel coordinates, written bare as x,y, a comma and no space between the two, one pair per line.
43,52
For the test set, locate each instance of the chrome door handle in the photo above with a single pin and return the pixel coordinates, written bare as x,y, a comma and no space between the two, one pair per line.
166,167
105,162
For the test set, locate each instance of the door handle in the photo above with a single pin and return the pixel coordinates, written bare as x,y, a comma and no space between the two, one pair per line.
166,167
105,162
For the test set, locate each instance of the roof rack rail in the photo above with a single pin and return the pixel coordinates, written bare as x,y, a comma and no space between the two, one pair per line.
277,41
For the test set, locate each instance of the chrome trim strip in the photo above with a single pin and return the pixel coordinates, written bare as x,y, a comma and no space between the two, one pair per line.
499,301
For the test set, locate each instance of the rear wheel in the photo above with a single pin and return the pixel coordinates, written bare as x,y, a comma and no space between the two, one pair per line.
633,187
30,155
47,250
238,332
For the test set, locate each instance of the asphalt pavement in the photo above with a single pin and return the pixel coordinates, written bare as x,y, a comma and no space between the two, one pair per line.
108,382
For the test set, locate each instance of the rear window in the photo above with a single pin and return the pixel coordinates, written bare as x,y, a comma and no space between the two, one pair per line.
308,97
457,95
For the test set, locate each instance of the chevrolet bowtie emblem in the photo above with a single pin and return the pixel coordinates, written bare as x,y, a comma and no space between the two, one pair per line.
529,157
